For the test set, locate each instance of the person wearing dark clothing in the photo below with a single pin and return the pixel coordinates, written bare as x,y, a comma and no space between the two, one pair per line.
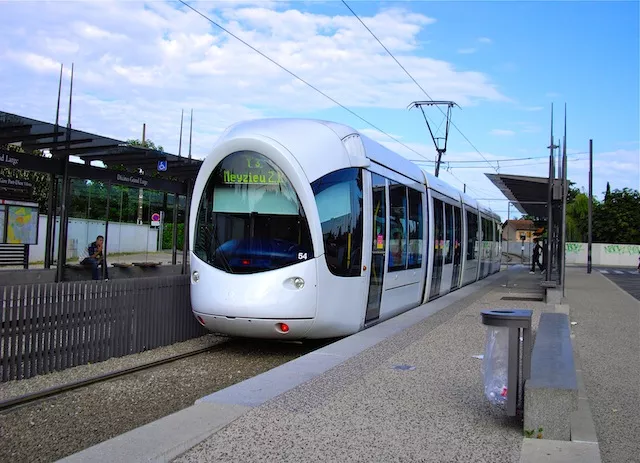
96,258
535,259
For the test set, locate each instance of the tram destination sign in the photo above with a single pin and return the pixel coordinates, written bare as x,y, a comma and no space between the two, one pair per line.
252,171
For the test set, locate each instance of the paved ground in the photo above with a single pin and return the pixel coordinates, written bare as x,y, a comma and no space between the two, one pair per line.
627,278
431,409
606,333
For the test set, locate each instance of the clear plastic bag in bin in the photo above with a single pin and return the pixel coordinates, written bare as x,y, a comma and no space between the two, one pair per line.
495,364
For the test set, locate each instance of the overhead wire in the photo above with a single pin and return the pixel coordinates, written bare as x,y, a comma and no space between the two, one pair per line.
499,160
195,10
503,167
416,82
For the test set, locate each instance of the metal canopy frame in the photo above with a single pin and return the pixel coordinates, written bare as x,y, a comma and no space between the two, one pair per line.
527,194
542,198
62,142
33,134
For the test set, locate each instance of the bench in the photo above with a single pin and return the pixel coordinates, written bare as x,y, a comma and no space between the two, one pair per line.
551,392
14,254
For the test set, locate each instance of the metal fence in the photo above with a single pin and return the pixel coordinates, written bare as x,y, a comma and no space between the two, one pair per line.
53,326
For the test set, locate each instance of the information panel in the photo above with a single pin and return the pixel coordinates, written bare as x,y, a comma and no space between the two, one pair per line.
19,222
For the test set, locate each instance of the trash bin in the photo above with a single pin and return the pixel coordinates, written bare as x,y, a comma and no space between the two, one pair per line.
508,342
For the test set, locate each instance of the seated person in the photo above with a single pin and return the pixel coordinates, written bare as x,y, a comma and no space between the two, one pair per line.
95,257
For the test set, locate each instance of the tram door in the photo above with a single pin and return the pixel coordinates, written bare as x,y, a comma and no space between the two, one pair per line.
447,267
457,247
438,241
378,248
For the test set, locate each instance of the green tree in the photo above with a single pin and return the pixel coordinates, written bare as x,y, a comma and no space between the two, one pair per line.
147,144
577,218
617,220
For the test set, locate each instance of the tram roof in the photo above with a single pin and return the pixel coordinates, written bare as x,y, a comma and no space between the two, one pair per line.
33,134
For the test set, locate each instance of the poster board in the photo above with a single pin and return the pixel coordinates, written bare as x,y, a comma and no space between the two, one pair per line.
19,222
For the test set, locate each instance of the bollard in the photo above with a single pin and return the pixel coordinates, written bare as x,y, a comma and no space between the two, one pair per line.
515,320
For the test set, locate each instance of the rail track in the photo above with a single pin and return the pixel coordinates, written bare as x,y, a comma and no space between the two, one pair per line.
17,402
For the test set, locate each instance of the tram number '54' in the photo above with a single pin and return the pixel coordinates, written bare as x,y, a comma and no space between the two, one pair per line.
302,256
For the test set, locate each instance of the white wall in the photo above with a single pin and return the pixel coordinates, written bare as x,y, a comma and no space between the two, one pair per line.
515,247
624,255
126,237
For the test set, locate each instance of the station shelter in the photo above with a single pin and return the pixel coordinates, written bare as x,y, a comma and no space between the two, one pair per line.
60,189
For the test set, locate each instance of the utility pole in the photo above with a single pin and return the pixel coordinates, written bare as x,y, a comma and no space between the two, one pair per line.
180,142
441,148
140,190
64,196
590,205
549,252
190,133
565,192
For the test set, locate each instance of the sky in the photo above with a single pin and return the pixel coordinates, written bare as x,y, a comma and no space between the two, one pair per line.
503,63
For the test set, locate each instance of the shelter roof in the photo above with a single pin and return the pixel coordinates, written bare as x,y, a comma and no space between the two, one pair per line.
33,134
528,194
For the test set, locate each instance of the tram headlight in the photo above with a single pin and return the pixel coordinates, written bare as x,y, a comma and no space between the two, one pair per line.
298,282
196,276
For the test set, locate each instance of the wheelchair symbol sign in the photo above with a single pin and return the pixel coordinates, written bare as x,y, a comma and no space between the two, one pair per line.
162,166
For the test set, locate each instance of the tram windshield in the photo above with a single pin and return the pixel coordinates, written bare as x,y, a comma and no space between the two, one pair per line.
250,218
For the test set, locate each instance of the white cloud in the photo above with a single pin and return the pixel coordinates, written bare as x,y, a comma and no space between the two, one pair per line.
621,168
533,108
466,51
138,63
485,40
90,31
502,132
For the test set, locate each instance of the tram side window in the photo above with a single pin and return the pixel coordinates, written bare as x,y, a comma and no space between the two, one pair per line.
448,246
472,235
339,200
415,228
438,231
458,234
397,226
486,237
380,213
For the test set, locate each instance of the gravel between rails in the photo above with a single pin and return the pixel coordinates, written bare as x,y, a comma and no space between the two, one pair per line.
38,383
54,428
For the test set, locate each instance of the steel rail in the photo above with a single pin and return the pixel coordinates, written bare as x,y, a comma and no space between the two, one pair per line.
16,402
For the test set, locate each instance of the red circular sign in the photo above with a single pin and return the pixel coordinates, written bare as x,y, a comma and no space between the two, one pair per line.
155,217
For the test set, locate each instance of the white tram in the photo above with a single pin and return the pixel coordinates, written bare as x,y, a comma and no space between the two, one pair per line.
308,229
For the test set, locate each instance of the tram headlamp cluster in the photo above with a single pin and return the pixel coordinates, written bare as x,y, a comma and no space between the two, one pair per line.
298,282
196,276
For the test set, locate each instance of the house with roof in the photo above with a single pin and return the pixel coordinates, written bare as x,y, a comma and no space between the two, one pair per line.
513,230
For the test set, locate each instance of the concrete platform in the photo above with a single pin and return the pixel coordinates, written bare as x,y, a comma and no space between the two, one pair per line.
409,389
